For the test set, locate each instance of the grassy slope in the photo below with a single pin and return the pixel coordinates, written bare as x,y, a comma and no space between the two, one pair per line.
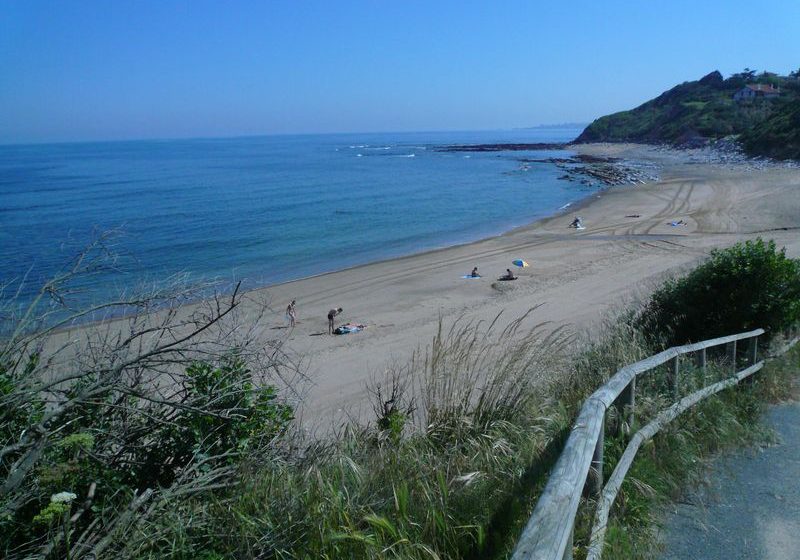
779,135
705,109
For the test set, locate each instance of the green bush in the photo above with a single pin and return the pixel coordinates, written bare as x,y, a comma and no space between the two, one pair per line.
744,287
124,443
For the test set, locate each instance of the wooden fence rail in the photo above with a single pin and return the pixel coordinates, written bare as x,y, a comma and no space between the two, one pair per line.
548,533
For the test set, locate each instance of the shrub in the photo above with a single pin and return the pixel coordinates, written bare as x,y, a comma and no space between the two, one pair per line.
102,430
744,287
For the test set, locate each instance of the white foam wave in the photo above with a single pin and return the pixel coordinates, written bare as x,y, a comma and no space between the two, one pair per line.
567,205
407,155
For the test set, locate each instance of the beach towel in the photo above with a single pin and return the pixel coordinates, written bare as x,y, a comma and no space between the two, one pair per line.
349,328
470,277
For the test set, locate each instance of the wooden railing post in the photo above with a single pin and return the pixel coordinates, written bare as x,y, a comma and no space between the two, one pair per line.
701,363
595,482
732,355
672,377
752,353
752,357
701,360
626,404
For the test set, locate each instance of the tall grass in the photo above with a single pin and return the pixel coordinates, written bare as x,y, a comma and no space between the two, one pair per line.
450,467
477,419
484,418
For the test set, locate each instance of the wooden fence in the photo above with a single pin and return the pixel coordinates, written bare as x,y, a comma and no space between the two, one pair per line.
548,533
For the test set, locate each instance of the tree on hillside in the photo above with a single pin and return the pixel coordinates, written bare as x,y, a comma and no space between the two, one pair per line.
746,74
795,74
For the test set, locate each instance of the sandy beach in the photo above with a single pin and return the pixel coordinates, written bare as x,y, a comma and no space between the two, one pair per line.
575,276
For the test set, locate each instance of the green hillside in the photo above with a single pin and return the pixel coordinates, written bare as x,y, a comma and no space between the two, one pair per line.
778,136
694,112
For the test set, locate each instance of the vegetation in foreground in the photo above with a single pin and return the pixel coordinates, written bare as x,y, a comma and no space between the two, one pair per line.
169,434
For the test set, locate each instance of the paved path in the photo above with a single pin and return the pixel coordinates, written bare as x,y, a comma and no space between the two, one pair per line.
752,510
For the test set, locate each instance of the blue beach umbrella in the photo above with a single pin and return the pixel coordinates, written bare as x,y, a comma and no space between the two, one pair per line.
520,263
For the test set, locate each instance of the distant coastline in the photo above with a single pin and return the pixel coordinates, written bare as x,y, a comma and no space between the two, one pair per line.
569,125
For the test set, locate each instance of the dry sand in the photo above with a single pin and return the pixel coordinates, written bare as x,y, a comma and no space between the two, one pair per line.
576,276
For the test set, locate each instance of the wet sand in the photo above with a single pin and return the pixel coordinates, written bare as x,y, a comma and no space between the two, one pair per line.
575,277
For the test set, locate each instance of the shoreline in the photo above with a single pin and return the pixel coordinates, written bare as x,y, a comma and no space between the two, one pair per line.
576,204
600,150
569,207
576,278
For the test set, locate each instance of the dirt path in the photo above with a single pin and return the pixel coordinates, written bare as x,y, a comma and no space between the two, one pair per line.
752,510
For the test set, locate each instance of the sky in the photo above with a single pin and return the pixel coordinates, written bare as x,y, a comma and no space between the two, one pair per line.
77,70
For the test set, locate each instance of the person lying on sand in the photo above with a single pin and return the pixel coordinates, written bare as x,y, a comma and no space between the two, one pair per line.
508,275
349,328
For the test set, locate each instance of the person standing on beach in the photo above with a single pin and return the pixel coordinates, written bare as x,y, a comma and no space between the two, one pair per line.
291,313
331,314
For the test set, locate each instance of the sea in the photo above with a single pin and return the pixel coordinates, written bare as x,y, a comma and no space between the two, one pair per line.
259,210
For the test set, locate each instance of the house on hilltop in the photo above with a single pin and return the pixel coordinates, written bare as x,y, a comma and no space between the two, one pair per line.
756,91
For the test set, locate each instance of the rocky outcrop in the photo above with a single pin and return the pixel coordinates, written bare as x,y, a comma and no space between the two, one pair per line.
500,147
601,171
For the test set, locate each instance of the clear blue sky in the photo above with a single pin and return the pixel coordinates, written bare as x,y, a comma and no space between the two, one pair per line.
114,69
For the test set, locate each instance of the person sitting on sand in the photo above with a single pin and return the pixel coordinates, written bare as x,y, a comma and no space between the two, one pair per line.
576,223
331,314
474,273
508,275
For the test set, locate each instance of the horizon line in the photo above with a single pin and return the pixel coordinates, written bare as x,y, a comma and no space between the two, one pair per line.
277,134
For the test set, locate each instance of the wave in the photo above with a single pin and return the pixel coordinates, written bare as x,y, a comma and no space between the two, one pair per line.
406,155
567,205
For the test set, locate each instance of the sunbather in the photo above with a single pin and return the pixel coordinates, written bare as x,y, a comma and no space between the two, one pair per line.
508,275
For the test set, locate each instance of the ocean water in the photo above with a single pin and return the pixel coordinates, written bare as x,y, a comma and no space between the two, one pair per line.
262,209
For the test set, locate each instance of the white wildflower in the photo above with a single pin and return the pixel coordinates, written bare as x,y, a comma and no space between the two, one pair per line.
63,497
467,479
